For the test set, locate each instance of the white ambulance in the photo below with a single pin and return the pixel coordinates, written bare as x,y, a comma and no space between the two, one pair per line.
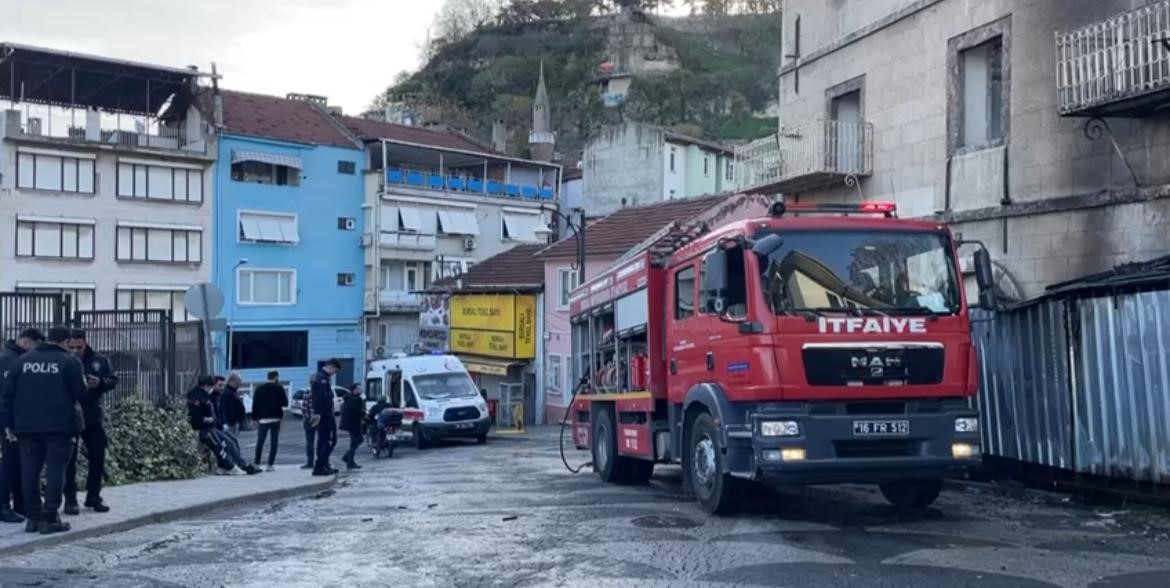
437,396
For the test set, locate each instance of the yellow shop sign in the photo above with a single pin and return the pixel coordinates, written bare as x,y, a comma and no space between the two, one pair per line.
494,325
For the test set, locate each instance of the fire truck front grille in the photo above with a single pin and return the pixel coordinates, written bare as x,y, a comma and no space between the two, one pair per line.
463,413
878,366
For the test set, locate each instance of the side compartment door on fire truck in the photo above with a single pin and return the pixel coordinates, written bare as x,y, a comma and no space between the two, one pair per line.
686,339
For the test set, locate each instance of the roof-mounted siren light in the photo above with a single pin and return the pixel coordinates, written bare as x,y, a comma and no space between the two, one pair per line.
888,209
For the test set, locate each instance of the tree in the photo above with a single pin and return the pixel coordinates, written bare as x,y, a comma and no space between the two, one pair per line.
459,18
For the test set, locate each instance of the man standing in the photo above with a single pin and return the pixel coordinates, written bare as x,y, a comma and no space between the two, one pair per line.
307,422
268,410
10,451
351,422
232,405
99,379
41,410
323,420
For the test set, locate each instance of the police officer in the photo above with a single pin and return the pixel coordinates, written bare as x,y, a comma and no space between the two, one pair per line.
323,420
99,379
9,451
41,410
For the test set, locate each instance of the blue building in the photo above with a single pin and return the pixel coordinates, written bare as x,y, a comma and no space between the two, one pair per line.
287,239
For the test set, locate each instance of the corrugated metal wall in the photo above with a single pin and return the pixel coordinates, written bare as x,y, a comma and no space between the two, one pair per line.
1080,384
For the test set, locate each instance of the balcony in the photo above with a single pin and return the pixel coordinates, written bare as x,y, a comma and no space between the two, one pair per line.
51,124
1118,67
407,240
399,300
434,182
814,155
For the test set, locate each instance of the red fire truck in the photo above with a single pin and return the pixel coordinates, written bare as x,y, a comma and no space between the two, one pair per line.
822,344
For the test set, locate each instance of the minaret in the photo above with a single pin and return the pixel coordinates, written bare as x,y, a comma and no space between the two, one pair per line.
541,140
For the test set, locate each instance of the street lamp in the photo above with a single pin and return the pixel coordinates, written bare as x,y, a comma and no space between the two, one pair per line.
578,229
227,359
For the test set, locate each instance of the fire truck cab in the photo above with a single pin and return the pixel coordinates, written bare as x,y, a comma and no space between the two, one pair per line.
823,344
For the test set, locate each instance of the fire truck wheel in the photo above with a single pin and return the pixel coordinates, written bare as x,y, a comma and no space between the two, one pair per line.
911,493
714,488
606,463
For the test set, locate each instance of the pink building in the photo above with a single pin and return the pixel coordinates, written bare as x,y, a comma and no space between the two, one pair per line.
606,240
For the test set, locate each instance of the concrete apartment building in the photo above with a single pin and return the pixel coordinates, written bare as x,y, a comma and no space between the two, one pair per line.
105,188
1026,125
436,203
632,164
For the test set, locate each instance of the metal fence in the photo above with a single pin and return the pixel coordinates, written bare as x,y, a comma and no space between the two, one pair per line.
153,357
1080,383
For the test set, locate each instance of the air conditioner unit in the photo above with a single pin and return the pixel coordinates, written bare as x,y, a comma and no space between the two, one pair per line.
469,243
345,279
366,240
350,224
34,126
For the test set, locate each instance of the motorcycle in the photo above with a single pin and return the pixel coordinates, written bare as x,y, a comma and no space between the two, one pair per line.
382,433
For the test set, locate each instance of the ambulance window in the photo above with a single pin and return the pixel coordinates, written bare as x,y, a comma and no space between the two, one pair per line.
396,391
684,293
374,389
411,400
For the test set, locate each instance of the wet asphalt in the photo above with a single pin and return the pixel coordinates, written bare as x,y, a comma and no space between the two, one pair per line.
508,514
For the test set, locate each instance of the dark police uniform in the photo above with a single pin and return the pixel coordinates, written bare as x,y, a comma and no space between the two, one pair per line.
40,404
94,435
10,462
322,400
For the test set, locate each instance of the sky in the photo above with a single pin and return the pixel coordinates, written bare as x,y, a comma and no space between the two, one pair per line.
346,50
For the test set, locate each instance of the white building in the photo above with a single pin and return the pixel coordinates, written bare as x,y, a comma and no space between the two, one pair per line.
104,180
632,164
437,203
1030,126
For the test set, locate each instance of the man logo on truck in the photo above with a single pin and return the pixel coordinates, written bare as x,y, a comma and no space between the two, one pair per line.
883,325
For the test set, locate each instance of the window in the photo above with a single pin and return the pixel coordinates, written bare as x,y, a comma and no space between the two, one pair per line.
522,226
446,267
567,279
346,167
159,243
58,172
672,151
415,276
458,222
735,297
729,170
157,182
684,293
267,227
553,373
269,349
266,173
982,94
411,399
706,166
152,298
374,391
79,296
265,286
50,237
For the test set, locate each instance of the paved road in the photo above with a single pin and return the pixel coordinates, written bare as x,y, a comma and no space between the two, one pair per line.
507,514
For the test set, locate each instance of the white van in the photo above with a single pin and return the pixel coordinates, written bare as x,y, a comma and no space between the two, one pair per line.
437,396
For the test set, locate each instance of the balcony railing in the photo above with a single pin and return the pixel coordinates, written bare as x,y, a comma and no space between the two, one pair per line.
404,240
79,125
421,180
816,154
1116,66
399,300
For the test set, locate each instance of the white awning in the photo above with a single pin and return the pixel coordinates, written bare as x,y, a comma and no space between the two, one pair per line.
524,227
458,222
271,228
292,161
411,219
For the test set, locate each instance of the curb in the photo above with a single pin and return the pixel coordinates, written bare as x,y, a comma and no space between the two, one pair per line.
43,541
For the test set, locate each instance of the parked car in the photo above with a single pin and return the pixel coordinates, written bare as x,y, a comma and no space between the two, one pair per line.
338,399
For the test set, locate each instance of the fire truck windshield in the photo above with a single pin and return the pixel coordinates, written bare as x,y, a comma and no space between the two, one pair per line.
861,272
